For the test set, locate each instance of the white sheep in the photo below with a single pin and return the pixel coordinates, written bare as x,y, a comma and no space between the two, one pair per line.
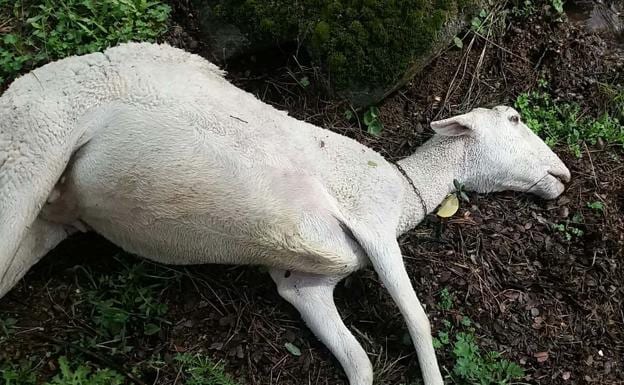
154,149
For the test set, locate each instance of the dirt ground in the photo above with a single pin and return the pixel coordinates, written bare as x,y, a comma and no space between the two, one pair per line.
548,300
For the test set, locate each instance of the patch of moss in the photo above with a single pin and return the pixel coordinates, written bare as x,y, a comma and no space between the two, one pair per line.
360,43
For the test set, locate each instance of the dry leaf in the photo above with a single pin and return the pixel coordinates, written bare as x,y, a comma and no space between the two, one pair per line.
293,349
541,356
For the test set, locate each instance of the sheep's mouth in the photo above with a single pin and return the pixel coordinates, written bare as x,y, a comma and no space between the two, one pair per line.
561,178
545,190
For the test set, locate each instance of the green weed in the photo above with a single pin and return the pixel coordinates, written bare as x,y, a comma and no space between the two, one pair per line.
76,374
570,228
477,22
446,299
83,374
557,6
460,191
612,99
372,122
199,370
472,366
44,30
526,8
18,374
566,123
597,206
127,303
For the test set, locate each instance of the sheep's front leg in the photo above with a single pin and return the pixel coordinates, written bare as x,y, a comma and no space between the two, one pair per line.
313,297
40,238
388,263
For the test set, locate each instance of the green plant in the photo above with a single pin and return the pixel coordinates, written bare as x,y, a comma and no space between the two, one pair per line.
471,365
126,302
372,122
83,374
199,370
477,22
7,325
612,98
571,227
45,30
568,230
474,367
557,6
596,205
446,299
460,190
565,123
17,374
523,8
458,42
526,8
69,374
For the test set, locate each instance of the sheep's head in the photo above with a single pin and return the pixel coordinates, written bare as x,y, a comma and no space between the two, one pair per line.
502,153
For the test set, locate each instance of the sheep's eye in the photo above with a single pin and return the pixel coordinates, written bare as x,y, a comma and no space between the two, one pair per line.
514,119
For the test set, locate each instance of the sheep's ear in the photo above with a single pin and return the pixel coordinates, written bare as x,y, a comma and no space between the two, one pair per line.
455,126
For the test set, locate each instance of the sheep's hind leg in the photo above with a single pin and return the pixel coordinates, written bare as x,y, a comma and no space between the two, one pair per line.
40,238
313,296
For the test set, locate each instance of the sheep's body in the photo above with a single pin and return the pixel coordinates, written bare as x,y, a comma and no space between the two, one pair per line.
284,174
172,162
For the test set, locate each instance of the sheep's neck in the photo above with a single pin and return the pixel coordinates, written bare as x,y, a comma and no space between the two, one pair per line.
432,169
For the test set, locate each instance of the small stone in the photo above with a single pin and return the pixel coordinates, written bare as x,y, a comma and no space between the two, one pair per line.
589,361
565,376
535,312
216,346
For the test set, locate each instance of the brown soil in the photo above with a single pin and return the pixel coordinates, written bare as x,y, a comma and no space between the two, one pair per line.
527,287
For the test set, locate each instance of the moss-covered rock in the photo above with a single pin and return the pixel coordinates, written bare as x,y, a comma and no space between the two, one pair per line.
365,47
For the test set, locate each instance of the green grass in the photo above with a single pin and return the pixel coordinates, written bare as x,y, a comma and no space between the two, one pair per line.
566,123
472,366
612,97
121,306
83,374
40,31
68,374
199,370
17,374
125,303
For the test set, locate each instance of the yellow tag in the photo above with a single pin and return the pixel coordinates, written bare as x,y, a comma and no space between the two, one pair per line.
449,206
